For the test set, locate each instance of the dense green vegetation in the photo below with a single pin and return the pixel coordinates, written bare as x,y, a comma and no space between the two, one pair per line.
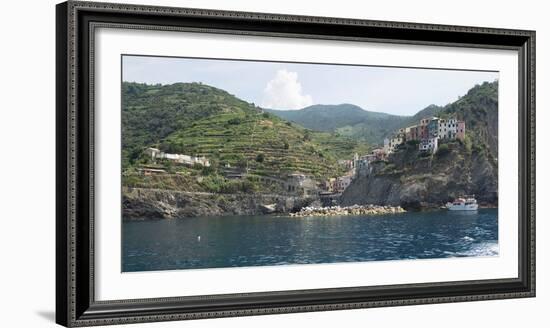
262,144
345,119
237,137
152,112
479,110
241,138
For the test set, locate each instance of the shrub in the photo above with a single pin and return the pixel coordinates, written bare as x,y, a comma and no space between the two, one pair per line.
207,170
234,121
478,148
413,143
234,186
389,168
424,154
260,158
213,183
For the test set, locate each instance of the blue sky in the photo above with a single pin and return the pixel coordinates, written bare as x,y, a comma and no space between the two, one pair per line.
400,91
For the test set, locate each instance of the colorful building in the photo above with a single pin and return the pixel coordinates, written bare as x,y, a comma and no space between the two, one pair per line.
342,183
423,128
390,144
433,128
461,130
379,154
412,133
429,131
429,144
362,167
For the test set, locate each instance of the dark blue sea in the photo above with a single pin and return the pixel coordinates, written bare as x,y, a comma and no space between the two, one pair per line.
240,241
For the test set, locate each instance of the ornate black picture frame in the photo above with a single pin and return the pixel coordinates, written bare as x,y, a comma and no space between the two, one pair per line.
75,301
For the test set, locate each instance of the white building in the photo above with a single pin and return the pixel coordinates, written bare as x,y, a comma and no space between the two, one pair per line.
177,158
447,128
392,143
396,141
429,144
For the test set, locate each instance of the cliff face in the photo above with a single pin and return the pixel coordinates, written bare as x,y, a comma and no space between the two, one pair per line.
414,182
469,167
146,204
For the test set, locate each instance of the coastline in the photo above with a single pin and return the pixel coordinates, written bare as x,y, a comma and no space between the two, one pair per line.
154,204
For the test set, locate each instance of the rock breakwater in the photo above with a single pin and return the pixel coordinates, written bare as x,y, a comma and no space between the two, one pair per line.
348,210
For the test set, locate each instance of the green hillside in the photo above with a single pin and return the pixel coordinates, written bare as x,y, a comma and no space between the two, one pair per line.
200,120
479,110
331,117
152,112
261,143
352,121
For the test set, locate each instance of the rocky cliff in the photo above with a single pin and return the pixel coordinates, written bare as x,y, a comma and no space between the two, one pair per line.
141,204
416,182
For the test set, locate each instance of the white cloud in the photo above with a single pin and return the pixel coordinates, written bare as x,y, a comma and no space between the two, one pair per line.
285,92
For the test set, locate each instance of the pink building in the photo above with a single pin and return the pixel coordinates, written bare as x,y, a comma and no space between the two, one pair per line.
461,130
413,133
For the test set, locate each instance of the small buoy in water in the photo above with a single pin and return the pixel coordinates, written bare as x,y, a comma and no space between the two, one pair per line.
198,238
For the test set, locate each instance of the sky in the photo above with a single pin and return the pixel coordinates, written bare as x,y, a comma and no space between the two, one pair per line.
290,86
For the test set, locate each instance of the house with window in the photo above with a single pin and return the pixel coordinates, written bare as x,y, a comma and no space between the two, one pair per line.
342,183
429,145
460,130
390,144
362,168
379,154
430,131
412,133
433,128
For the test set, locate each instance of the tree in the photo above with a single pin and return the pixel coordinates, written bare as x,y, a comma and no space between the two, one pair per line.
260,158
234,121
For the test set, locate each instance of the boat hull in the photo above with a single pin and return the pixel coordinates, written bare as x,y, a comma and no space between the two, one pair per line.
469,207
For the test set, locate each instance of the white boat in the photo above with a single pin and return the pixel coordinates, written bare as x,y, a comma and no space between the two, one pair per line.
466,203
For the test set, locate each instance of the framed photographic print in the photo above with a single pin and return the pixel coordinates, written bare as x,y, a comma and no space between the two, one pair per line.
214,163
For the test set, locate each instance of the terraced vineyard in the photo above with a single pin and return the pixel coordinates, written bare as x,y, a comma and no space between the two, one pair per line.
201,120
262,144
